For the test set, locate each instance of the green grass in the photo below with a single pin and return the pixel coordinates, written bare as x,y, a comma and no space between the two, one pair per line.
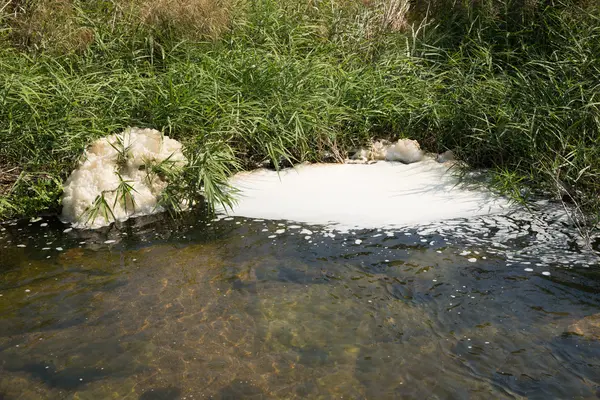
291,82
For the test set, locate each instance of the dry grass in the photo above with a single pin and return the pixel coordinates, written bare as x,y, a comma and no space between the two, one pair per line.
191,19
46,25
395,15
8,176
63,26
384,16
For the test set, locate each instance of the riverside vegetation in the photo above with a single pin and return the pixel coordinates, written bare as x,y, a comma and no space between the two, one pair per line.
511,85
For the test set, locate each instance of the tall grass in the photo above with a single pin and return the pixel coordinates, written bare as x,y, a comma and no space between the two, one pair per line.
515,91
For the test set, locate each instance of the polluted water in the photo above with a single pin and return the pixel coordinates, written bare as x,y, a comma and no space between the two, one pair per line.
471,298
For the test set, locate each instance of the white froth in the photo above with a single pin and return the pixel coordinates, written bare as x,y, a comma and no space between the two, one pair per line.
404,150
347,196
98,173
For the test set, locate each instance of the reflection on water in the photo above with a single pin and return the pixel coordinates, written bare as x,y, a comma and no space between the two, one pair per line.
231,309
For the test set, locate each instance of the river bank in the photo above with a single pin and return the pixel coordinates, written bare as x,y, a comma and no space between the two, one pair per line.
241,84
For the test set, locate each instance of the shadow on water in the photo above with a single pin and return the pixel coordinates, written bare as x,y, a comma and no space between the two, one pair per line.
240,390
240,308
70,378
167,393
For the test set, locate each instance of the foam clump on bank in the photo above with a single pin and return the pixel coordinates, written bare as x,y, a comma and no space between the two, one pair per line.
406,151
119,177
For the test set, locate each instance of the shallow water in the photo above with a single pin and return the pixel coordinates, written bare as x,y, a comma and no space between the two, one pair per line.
238,308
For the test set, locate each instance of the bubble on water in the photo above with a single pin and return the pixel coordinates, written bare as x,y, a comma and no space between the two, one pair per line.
272,236
306,232
279,231
546,273
67,230
472,259
59,249
21,245
109,241
528,270
358,241
464,253
27,290
307,237
545,235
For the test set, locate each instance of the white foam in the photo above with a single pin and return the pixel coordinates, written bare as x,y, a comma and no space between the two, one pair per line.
346,196
404,150
98,174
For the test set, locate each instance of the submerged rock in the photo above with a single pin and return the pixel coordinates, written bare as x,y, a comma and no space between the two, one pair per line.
120,176
588,327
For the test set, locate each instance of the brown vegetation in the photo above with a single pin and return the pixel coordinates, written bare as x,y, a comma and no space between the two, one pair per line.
8,176
46,25
62,26
192,19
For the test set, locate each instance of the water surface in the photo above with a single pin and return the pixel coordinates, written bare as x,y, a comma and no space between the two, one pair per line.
239,308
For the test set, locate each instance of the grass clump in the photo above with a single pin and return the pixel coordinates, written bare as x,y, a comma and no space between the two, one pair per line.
188,19
507,85
46,25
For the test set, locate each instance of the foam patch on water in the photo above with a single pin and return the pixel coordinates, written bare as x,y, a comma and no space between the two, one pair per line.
543,235
110,161
358,196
